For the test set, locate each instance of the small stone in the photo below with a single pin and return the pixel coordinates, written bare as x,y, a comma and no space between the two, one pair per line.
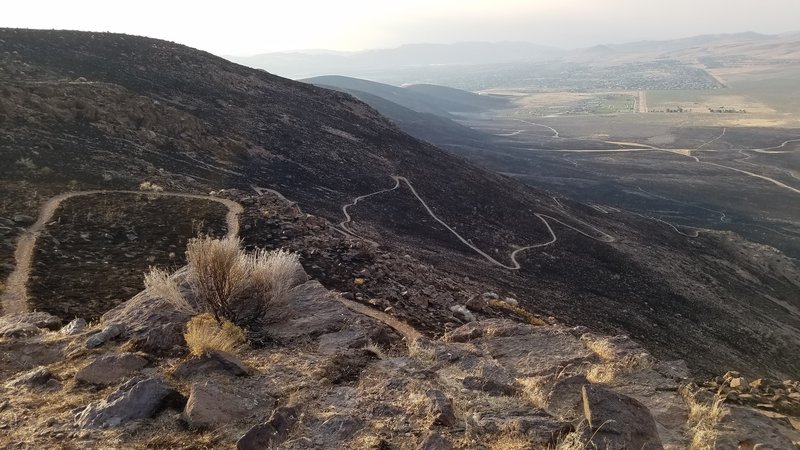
75,326
738,383
105,335
23,219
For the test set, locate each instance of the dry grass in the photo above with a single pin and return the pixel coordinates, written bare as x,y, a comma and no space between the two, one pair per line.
531,318
161,284
510,442
703,416
204,334
536,389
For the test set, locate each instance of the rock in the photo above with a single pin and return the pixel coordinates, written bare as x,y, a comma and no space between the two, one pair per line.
461,312
161,340
676,370
109,369
215,361
272,433
440,408
488,385
478,304
18,330
152,325
435,441
731,374
36,377
538,426
739,425
138,398
212,405
23,219
105,335
75,326
19,325
341,340
617,421
564,399
738,383
340,428
310,310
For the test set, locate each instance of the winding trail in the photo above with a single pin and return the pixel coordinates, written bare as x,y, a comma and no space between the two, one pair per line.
605,237
555,132
15,297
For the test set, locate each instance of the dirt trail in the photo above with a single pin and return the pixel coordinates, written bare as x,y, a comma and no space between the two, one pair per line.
604,237
15,297
401,327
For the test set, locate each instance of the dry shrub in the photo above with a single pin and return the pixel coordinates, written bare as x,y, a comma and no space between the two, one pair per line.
161,284
512,441
217,272
147,186
228,283
204,334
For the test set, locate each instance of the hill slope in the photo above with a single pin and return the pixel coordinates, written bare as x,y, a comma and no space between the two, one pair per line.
108,111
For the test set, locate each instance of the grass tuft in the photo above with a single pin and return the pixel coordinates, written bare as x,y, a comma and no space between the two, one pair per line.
204,334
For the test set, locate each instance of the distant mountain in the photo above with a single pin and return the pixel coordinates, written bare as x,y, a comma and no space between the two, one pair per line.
438,100
460,65
310,64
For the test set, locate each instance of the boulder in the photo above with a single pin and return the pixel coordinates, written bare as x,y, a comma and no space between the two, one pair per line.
109,369
36,377
271,433
17,330
106,334
310,311
138,398
75,326
211,405
216,361
617,421
152,324
440,408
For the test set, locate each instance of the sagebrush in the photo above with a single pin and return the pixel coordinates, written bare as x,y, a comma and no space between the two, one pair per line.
228,283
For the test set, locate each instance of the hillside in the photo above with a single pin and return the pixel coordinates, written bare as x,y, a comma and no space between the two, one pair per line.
86,111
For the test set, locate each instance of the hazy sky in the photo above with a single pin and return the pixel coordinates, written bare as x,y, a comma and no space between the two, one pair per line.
237,27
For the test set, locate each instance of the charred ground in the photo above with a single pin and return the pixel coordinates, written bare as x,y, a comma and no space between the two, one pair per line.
106,111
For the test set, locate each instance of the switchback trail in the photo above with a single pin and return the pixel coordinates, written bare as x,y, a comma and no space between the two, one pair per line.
15,297
605,237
